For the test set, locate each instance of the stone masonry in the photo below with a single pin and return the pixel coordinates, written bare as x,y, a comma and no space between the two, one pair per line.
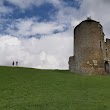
91,53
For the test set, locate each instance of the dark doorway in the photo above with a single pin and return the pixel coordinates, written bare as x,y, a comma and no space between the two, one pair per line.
106,67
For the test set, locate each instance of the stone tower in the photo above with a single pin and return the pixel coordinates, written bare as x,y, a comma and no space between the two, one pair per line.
91,53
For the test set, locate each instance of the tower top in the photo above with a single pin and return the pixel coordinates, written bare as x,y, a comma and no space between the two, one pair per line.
89,18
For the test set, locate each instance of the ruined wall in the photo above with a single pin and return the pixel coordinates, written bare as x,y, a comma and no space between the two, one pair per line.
88,48
107,50
71,63
107,56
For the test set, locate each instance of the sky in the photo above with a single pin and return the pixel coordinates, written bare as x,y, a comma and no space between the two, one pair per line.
39,33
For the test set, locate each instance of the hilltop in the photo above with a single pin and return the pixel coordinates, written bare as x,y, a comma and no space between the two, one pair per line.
33,89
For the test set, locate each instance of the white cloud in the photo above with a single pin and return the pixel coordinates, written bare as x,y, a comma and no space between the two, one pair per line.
31,27
4,9
97,9
24,4
50,52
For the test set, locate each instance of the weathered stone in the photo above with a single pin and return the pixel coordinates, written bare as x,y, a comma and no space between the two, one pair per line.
90,50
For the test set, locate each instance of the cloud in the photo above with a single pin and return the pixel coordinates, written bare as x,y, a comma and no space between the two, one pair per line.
4,9
23,4
26,4
50,52
31,27
98,10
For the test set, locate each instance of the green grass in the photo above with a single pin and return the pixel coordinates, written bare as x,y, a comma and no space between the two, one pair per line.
32,89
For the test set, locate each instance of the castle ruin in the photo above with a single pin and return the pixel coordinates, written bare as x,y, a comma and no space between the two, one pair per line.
91,53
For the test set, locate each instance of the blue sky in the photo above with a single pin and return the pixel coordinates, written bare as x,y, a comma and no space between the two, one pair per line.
45,11
39,33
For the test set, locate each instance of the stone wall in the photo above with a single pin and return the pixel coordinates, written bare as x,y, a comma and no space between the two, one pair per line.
107,50
88,48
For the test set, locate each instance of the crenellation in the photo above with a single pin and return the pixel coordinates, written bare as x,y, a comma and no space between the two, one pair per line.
107,42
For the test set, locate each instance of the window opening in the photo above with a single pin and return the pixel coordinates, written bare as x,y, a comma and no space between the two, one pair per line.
106,67
106,52
100,45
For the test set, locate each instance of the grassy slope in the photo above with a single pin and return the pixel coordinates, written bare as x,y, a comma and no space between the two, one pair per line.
31,89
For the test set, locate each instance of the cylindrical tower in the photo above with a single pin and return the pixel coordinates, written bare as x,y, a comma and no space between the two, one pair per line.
88,47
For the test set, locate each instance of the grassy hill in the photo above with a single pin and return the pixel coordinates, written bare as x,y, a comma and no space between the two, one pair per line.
32,89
